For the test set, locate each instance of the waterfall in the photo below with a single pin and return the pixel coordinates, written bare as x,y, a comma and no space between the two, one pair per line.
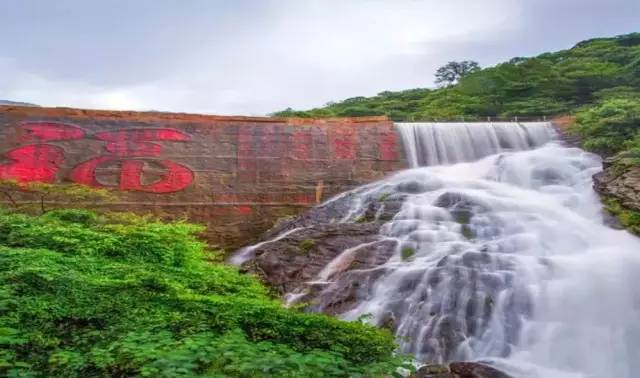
499,253
447,143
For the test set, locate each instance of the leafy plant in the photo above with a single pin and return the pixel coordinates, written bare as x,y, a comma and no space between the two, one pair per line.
37,195
628,218
86,294
610,127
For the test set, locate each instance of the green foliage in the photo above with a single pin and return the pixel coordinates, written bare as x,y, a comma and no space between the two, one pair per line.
407,252
628,218
612,126
549,84
35,196
452,72
612,129
84,294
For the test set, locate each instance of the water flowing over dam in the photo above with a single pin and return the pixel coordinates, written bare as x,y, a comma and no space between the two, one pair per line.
503,256
446,143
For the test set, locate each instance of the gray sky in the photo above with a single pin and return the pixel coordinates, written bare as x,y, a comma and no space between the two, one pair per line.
258,56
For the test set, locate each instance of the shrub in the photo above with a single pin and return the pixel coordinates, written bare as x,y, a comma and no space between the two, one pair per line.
85,295
610,127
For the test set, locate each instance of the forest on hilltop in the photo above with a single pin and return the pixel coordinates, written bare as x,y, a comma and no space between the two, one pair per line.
561,82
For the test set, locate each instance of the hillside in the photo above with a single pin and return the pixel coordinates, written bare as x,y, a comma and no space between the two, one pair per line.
548,84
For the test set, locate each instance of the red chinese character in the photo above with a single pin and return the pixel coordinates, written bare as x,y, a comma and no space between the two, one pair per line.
38,161
125,146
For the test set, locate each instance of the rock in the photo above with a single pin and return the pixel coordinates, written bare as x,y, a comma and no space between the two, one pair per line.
308,251
459,370
619,185
329,263
475,370
433,371
620,179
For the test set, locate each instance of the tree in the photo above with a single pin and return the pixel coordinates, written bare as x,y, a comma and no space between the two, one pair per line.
450,73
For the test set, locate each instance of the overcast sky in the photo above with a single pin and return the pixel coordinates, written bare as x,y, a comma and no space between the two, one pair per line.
258,56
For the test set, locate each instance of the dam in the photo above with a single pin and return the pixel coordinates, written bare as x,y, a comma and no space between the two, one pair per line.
236,175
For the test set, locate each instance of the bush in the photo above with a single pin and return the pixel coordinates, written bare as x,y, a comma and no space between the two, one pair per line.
86,295
610,127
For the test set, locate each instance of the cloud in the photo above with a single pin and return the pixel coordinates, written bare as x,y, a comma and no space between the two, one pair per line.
254,57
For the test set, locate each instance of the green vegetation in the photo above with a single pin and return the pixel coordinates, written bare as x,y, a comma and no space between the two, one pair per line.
628,218
86,294
549,84
452,72
612,126
307,244
407,252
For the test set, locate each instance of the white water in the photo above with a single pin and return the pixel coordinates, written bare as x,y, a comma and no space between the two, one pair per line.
510,259
446,143
558,285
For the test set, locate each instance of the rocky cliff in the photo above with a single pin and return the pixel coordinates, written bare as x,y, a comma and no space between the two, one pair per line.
619,185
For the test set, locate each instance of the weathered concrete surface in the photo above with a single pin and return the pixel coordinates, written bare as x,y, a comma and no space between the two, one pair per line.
237,175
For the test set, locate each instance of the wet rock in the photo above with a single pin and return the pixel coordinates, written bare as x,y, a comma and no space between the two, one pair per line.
412,187
461,207
309,250
475,370
348,289
459,370
353,246
391,206
476,259
433,371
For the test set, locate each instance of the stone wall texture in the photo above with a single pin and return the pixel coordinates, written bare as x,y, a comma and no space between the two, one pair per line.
237,175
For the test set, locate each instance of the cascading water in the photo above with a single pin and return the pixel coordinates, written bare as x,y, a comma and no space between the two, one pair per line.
506,258
447,143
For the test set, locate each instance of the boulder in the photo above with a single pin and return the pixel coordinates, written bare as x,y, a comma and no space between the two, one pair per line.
620,179
326,261
475,370
459,370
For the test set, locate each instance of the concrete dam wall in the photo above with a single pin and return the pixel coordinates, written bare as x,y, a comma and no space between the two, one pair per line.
236,175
